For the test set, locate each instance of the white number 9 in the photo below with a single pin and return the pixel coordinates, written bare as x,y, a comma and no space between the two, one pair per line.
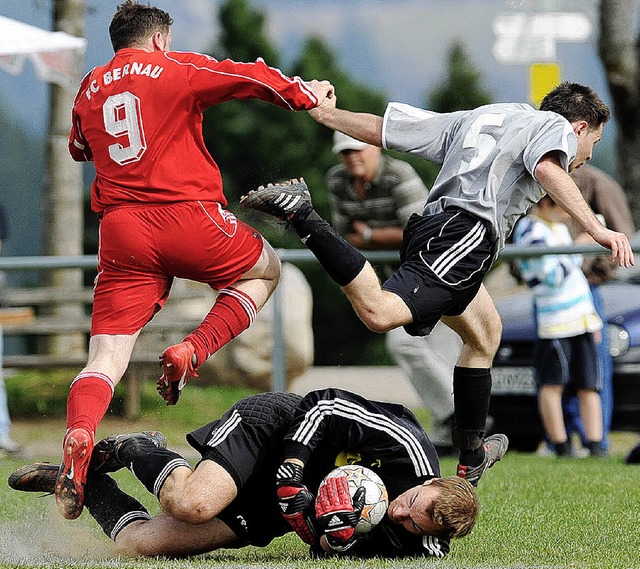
122,119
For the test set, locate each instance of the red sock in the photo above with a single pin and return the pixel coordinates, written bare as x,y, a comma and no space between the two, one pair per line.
89,397
232,313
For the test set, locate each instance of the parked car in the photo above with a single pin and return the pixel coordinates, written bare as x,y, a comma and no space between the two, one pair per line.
514,396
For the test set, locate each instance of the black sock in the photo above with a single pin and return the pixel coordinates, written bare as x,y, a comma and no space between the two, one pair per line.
110,506
342,261
150,464
562,449
595,448
471,393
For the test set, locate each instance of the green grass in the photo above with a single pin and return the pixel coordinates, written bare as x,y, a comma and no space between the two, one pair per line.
536,512
43,394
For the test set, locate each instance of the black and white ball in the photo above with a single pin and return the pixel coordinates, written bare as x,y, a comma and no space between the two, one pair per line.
376,497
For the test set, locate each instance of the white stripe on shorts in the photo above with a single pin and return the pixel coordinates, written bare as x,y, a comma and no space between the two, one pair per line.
455,253
221,432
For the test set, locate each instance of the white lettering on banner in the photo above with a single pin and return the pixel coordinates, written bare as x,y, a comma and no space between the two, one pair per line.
528,38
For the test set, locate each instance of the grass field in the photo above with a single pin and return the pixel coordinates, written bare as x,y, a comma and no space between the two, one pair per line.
536,512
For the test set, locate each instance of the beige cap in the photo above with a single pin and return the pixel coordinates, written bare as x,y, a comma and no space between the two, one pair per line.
343,142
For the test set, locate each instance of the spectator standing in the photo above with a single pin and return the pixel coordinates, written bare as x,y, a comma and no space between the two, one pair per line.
7,444
371,197
607,198
567,321
159,196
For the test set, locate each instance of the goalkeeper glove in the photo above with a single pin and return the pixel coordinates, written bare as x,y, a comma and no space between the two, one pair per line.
337,513
295,501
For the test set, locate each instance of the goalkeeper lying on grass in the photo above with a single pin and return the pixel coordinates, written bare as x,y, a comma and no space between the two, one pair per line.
259,461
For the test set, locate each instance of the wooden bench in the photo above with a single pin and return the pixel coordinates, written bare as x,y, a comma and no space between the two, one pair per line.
24,318
16,316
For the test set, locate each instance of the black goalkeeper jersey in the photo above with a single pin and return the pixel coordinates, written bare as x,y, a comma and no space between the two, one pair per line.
334,427
325,429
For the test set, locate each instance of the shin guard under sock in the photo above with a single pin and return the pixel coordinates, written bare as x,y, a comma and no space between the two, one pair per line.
110,506
89,397
340,260
471,394
232,313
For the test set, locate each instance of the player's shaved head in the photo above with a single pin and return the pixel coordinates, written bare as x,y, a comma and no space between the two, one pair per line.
577,102
133,23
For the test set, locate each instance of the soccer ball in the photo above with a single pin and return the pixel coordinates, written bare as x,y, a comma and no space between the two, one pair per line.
376,497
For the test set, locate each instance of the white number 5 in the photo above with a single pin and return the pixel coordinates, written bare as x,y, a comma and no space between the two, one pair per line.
122,119
482,142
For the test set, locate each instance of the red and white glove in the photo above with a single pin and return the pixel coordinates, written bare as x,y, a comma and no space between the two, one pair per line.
296,502
337,514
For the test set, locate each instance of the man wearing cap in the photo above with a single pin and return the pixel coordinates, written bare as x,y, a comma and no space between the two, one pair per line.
371,197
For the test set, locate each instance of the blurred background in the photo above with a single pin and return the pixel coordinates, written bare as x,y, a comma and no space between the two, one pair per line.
440,54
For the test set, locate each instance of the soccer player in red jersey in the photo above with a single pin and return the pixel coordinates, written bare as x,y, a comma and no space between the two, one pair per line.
158,194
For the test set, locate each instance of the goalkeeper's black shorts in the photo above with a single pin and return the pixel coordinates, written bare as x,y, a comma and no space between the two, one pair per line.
247,441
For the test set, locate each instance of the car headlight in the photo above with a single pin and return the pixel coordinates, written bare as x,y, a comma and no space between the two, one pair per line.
618,340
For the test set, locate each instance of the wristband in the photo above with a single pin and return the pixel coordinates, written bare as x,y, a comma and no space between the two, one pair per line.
367,234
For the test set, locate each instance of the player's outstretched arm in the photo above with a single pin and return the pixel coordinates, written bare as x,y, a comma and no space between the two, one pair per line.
618,243
363,126
559,185
323,89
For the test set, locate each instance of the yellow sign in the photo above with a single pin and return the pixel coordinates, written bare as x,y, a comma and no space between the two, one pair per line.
543,77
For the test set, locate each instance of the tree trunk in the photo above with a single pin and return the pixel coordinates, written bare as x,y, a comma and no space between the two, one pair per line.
63,209
620,55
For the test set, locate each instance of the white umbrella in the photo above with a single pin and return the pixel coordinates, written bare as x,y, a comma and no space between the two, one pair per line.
56,56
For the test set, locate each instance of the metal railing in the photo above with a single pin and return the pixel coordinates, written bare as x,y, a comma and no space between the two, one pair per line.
296,256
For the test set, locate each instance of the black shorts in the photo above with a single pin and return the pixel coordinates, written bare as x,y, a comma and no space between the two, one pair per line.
571,362
247,441
444,258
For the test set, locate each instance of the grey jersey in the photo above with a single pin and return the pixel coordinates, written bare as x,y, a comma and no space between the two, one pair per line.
488,156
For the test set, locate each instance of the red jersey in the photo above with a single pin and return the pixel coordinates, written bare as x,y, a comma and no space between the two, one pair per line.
139,118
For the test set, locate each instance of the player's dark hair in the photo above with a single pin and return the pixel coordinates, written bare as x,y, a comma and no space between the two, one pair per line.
577,102
135,22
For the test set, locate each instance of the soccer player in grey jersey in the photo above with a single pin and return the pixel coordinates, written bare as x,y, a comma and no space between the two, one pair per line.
496,161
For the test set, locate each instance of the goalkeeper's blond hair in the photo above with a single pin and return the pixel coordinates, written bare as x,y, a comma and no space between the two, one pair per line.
457,506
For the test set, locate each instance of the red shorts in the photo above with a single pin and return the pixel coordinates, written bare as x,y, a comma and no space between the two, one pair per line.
142,247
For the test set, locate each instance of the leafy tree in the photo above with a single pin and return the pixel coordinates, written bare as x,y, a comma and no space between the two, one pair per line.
462,89
243,37
254,143
620,54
